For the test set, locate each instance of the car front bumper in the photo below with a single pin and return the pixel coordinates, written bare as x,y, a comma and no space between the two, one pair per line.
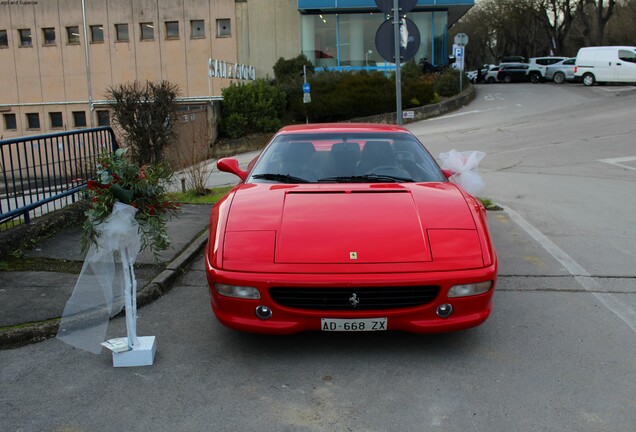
240,314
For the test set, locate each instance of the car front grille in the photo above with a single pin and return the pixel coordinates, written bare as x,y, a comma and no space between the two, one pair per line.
390,297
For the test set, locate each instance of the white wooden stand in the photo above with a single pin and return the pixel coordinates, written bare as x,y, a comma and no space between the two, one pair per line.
141,349
142,354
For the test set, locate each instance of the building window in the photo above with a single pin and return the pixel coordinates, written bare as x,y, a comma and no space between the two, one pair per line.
56,119
223,28
147,31
97,33
25,38
72,35
9,122
122,32
33,120
49,36
197,28
79,119
4,39
103,118
172,29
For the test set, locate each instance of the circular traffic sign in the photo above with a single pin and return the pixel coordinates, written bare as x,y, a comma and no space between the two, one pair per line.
409,43
306,88
461,39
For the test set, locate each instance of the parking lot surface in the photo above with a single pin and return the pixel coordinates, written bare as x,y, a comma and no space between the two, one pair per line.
557,353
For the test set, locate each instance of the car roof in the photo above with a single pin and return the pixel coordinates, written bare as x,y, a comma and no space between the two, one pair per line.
547,57
342,127
513,65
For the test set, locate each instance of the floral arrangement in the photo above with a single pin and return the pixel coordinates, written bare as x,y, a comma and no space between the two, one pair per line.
119,179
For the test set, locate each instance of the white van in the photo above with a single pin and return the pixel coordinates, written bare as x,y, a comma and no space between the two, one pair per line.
605,64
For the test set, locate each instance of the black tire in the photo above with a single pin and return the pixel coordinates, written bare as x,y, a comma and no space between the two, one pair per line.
507,79
559,78
588,80
491,80
535,78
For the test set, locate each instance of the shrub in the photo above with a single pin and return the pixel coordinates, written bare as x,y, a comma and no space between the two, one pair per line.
447,84
234,125
344,95
145,113
291,70
418,90
252,107
289,76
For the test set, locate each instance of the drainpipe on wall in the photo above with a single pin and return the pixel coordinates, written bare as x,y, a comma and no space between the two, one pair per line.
88,66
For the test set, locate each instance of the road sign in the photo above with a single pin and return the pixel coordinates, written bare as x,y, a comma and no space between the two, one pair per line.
306,88
306,98
409,43
408,114
459,52
461,39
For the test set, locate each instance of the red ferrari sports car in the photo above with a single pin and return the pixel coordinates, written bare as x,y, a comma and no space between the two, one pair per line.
348,227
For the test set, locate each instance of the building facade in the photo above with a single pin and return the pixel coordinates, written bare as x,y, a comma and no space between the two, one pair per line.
59,57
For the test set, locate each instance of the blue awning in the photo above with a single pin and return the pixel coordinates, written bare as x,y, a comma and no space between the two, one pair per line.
455,8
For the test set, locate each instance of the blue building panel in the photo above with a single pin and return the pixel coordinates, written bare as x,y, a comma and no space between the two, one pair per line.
309,5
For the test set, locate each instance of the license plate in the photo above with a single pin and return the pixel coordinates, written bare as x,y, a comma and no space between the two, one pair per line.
353,325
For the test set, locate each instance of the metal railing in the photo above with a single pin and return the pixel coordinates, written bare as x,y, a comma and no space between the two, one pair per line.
42,173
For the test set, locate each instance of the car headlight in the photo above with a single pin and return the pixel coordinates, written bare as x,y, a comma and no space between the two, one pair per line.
469,289
242,292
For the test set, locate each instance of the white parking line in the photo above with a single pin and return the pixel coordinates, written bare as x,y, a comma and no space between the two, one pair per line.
617,162
617,89
464,113
620,309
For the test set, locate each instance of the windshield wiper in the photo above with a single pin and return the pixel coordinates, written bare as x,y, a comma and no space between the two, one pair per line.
372,178
283,178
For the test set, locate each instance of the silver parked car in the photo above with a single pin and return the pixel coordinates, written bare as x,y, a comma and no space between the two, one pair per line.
538,65
491,76
561,72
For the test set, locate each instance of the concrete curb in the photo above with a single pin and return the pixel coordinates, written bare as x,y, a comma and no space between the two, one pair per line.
38,331
424,112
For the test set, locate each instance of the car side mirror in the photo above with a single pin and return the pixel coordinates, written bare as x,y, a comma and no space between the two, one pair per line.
447,173
231,165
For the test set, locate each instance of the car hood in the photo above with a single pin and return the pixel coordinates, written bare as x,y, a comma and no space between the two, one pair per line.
370,224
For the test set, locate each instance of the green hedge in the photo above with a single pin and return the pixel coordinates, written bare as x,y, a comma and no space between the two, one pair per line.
264,106
250,108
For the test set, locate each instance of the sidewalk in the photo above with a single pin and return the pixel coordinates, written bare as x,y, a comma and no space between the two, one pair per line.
32,301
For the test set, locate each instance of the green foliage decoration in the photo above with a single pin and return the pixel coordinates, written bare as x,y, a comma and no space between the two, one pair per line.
120,179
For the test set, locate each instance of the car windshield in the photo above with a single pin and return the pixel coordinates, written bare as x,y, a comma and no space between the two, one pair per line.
345,157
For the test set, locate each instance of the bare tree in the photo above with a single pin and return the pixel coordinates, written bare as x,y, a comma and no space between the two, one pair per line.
594,15
499,28
556,17
146,115
620,27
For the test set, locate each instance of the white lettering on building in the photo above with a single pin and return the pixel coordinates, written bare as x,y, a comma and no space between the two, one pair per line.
221,69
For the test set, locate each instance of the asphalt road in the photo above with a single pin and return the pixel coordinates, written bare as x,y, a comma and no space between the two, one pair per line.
557,354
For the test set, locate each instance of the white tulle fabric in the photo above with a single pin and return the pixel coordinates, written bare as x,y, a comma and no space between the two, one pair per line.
464,166
99,291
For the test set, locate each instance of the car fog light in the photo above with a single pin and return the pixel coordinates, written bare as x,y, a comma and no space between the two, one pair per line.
445,310
469,289
263,312
241,292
